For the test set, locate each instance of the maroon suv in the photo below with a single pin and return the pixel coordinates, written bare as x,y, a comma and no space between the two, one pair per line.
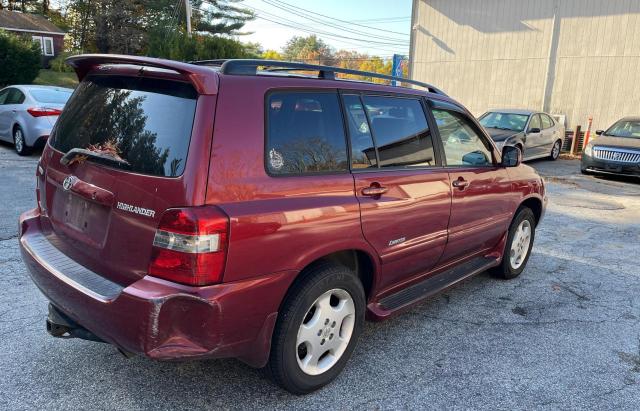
260,210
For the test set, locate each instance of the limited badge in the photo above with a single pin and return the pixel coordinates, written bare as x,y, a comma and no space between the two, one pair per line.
275,159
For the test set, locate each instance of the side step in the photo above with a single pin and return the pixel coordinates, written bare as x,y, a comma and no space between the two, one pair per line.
436,283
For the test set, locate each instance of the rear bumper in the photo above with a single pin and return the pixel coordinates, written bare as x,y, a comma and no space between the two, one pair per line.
594,165
154,317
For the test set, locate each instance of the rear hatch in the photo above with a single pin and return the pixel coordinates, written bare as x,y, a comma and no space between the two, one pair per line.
129,144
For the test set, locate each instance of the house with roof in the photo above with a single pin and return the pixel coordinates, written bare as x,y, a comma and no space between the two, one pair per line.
37,28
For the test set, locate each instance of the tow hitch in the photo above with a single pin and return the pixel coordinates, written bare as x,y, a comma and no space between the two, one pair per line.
60,325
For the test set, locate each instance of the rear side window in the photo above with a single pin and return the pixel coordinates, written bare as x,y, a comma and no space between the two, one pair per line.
402,135
147,122
546,121
15,97
305,133
363,151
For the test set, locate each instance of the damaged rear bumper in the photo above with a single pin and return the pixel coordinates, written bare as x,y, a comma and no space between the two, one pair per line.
154,317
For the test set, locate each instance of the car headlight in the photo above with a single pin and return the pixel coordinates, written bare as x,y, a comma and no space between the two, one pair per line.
588,150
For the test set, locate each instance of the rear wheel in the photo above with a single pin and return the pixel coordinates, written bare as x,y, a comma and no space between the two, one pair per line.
19,142
555,151
317,329
519,243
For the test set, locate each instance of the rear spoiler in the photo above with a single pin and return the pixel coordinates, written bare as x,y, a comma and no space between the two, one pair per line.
203,79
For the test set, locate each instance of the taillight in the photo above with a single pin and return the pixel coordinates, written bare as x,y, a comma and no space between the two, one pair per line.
43,112
190,245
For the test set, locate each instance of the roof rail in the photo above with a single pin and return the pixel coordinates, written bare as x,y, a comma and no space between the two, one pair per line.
249,67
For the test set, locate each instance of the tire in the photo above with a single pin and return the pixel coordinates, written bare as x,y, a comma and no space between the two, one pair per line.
19,142
291,363
555,151
512,267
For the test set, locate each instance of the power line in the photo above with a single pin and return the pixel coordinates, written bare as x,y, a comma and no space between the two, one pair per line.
288,23
334,25
343,21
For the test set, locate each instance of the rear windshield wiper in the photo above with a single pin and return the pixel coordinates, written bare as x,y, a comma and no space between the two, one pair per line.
91,155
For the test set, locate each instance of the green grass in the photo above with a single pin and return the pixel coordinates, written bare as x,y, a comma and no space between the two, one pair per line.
54,78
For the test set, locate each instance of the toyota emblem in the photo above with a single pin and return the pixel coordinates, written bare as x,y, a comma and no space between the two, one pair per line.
68,183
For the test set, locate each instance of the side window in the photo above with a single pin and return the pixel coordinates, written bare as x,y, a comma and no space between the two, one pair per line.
400,130
463,145
535,123
15,97
3,96
547,122
305,133
363,151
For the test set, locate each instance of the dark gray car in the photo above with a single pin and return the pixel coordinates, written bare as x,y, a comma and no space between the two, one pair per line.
537,134
615,151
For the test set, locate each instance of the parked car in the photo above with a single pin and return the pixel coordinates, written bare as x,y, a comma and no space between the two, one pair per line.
206,211
535,133
27,114
614,151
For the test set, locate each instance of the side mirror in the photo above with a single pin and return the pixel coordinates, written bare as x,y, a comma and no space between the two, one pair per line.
511,156
534,130
599,132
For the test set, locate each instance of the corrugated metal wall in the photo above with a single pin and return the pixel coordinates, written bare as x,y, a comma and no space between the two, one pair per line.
572,57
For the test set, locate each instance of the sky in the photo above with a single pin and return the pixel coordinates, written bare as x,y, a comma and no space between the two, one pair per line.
378,27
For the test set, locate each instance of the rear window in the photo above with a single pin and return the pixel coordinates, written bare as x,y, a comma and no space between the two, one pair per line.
305,133
51,96
147,121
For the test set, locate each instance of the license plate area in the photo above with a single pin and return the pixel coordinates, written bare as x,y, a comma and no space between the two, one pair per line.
81,219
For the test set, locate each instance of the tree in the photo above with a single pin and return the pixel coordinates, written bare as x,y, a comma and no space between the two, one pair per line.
272,55
309,49
19,59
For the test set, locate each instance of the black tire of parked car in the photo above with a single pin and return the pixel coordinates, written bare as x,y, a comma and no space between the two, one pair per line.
22,149
505,270
283,365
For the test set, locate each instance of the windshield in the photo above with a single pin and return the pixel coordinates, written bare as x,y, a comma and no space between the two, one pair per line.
624,128
50,96
144,122
504,121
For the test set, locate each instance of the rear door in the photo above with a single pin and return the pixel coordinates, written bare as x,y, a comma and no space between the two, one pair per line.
480,206
402,189
104,214
550,131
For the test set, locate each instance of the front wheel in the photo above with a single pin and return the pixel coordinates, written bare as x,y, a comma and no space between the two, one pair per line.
555,151
19,142
519,243
317,330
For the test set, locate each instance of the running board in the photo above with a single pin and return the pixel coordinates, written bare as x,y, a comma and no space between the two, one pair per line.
436,283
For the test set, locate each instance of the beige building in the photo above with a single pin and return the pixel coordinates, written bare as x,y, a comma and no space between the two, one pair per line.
579,58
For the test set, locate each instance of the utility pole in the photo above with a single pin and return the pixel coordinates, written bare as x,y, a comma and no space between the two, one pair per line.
187,6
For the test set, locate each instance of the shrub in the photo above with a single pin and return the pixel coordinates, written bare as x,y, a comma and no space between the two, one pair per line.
19,60
178,46
58,64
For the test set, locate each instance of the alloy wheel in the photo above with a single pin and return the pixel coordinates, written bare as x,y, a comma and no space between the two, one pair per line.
520,244
555,151
19,140
325,331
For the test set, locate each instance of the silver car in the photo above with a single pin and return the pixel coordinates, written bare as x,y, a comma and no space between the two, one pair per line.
536,134
27,114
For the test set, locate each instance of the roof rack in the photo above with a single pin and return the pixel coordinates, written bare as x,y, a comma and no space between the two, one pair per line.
249,67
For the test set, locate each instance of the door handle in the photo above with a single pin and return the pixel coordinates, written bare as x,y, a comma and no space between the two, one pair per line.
460,183
374,191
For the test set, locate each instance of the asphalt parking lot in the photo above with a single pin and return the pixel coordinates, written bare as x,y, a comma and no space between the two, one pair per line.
566,334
